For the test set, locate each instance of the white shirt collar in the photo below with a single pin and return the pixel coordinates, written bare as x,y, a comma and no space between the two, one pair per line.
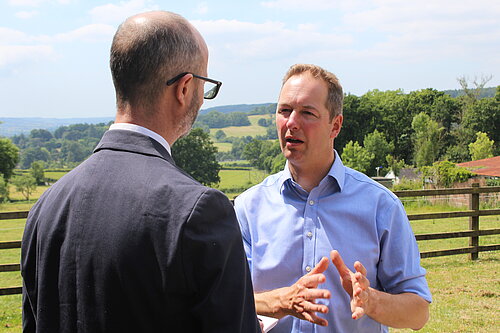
142,130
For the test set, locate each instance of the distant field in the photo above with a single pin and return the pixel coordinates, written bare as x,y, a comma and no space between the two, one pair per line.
233,182
239,131
55,174
223,146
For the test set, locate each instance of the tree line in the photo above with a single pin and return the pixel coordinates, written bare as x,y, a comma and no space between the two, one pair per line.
382,131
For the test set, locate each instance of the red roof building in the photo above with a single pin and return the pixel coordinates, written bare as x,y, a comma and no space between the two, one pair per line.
485,167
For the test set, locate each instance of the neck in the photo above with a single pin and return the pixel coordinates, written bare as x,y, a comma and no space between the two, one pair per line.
309,176
155,122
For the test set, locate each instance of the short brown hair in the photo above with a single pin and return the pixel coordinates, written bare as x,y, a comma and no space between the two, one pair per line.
335,96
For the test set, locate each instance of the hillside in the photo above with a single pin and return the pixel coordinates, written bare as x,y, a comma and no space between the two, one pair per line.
11,126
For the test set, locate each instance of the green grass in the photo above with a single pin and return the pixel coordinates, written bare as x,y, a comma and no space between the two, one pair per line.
238,131
223,146
234,182
55,174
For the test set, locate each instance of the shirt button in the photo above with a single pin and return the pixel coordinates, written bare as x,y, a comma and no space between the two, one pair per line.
311,202
308,268
309,234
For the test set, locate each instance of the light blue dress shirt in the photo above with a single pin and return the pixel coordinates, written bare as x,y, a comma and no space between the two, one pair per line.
286,231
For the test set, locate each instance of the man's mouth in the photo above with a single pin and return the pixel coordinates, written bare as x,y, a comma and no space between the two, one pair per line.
293,140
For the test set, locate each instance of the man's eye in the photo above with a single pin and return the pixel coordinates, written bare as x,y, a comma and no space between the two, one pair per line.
285,111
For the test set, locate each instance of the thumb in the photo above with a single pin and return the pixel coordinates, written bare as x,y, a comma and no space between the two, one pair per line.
343,270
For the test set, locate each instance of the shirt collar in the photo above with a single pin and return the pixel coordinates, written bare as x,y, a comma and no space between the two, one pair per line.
337,172
142,130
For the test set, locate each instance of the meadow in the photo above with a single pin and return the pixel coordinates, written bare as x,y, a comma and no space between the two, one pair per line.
466,294
253,130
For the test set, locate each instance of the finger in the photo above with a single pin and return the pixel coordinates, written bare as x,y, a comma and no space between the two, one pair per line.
362,280
313,294
339,264
312,281
358,313
360,268
313,318
320,267
313,307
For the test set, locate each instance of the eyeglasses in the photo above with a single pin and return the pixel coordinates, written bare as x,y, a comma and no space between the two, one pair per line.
211,87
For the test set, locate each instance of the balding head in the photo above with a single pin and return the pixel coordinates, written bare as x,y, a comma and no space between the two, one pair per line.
147,50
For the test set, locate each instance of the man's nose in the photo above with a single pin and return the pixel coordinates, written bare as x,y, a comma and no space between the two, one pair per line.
293,121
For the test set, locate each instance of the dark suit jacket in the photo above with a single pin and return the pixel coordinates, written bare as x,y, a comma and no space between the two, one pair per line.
127,242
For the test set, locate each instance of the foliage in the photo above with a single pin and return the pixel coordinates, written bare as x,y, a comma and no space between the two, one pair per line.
376,144
25,184
220,135
215,119
445,173
9,156
427,135
196,154
394,164
37,172
406,184
4,190
262,154
482,147
356,157
493,182
66,147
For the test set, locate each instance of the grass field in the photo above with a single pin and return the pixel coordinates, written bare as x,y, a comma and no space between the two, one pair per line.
252,130
466,294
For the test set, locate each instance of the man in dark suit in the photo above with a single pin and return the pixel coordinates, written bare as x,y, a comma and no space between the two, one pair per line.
127,242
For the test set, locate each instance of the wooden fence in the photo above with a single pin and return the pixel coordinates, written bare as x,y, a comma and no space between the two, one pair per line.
473,213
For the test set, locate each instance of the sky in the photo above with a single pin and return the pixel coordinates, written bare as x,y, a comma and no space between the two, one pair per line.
54,54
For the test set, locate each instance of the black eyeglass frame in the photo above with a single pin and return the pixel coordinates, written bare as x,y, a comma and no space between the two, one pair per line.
213,93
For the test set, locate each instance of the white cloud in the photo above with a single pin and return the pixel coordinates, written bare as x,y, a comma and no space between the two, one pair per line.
202,8
88,33
111,13
29,3
36,3
312,5
26,14
268,40
16,54
418,31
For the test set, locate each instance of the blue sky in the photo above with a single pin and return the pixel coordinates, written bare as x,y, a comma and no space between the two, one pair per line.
54,53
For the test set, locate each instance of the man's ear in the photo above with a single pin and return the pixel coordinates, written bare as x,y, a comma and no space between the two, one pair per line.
336,126
182,89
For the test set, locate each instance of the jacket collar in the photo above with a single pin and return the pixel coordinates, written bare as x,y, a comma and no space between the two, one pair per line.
133,142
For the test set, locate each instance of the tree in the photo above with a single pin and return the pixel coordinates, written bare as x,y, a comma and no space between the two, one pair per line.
196,154
9,156
25,184
482,147
4,190
220,135
356,157
37,172
394,164
32,154
376,144
445,173
472,94
427,136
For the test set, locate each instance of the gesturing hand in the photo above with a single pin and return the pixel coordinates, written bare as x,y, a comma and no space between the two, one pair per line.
356,284
299,299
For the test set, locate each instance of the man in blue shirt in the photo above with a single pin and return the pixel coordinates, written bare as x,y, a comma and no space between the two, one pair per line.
317,207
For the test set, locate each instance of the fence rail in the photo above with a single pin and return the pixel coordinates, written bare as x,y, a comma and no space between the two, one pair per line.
473,233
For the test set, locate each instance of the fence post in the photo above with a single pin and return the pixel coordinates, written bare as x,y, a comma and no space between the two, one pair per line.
474,223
